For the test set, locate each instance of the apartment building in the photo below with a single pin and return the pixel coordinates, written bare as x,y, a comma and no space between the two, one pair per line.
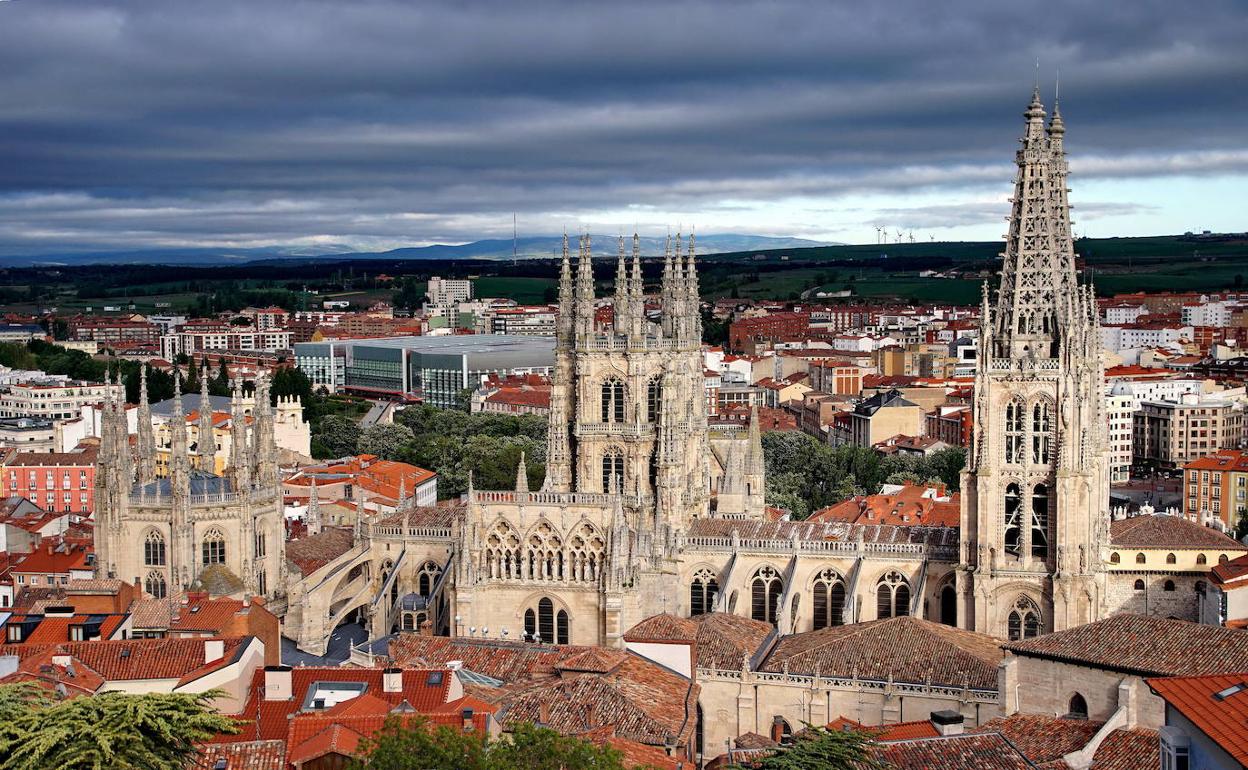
1170,434
55,481
1216,486
52,398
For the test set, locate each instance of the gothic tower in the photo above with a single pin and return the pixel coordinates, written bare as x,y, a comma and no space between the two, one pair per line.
1035,491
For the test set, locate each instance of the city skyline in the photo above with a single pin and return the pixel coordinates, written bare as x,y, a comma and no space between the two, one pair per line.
373,126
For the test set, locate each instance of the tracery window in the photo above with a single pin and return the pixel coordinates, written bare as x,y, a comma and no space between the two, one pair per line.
1040,422
543,624
613,400
154,549
829,599
892,595
502,553
427,578
1040,521
543,554
654,398
765,590
155,585
213,548
1013,524
585,553
613,470
1024,621
1014,432
703,591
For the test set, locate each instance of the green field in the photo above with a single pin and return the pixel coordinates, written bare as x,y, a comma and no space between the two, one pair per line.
526,291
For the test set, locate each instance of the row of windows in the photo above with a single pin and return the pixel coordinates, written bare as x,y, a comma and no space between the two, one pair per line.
1142,558
212,548
828,596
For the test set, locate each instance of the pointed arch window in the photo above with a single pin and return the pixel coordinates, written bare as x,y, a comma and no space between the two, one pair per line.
213,547
585,553
1014,424
154,549
1040,427
654,399
892,595
703,592
765,590
612,397
1040,521
1024,621
829,599
544,625
1078,707
613,470
502,553
1013,520
544,554
155,585
426,578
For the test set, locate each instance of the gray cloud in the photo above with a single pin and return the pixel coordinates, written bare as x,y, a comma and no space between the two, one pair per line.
248,122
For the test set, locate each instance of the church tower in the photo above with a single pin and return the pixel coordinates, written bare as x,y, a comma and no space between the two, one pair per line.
1035,492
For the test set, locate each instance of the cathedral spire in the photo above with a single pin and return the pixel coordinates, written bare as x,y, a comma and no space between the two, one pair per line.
146,436
522,474
1037,276
206,441
179,459
693,301
622,309
585,288
566,295
240,460
314,510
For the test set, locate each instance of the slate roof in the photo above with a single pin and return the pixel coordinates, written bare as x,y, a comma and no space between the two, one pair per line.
1164,531
1216,705
906,649
315,551
1143,645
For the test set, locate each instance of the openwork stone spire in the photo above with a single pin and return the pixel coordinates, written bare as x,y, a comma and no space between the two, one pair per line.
1038,274
207,442
146,435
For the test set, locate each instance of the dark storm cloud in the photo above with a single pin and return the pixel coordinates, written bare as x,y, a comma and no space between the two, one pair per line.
243,122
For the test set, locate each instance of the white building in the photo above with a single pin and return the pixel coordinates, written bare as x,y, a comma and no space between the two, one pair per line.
1206,313
192,343
1123,313
1120,405
448,291
52,398
1120,338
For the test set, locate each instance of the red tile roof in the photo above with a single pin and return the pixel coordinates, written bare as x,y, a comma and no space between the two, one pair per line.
989,751
315,551
663,628
1128,750
1143,645
1216,705
725,640
1231,571
139,659
904,649
1043,738
1164,531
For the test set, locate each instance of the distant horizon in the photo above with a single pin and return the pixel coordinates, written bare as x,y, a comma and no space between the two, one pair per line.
350,126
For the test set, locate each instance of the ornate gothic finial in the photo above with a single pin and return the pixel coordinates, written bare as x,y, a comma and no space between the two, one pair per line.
621,308
314,510
522,474
207,441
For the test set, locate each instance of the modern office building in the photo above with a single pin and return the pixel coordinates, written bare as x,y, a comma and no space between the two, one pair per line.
429,369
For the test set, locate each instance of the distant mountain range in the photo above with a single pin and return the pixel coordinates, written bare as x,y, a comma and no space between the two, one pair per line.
495,249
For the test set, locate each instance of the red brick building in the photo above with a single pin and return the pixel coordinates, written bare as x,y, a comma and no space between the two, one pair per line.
55,481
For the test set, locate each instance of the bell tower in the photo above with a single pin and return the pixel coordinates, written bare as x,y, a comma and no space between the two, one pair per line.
1035,492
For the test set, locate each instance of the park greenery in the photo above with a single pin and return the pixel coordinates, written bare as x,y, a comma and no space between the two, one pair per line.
804,474
416,745
112,730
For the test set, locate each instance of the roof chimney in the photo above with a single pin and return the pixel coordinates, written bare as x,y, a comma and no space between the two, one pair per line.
278,684
466,716
947,722
214,649
543,712
392,680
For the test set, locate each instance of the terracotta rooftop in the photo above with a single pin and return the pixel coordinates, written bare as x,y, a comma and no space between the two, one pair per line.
1128,750
663,628
1143,645
1231,571
1216,705
904,649
315,551
724,640
138,659
988,751
507,661
906,508
1163,531
1042,738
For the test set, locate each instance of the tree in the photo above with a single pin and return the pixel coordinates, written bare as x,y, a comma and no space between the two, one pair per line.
385,441
413,744
220,385
337,436
947,465
819,747
111,730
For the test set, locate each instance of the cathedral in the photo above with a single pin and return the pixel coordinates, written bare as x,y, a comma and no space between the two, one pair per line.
645,510
191,528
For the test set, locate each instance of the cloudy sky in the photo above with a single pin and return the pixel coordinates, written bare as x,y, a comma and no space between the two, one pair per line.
366,124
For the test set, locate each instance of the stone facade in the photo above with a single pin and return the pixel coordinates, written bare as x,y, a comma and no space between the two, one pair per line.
194,528
1035,492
